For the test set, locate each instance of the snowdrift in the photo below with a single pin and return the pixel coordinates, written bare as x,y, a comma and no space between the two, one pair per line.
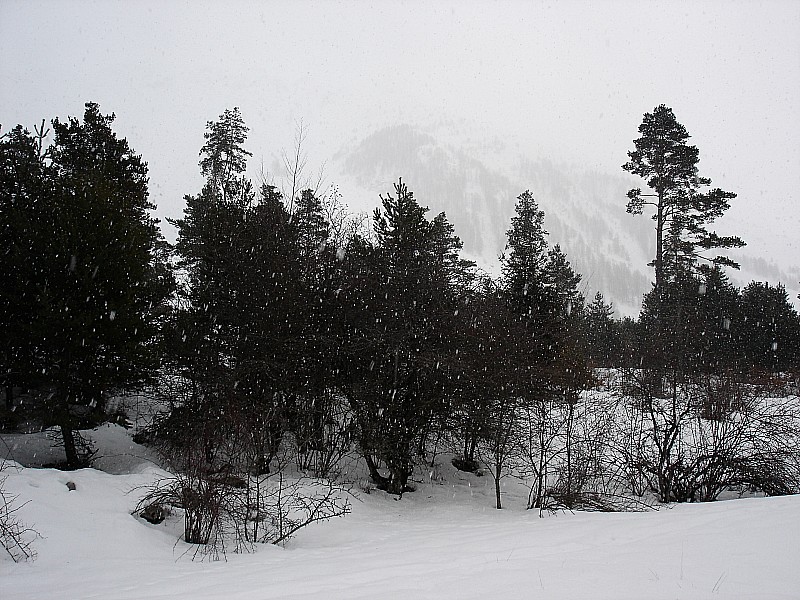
442,541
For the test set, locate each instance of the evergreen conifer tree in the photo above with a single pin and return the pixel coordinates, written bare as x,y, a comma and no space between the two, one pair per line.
682,209
602,346
96,294
399,318
25,189
769,330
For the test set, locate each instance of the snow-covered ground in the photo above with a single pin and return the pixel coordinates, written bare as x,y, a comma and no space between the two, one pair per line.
443,541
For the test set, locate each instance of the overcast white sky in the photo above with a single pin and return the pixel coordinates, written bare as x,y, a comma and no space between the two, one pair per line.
569,80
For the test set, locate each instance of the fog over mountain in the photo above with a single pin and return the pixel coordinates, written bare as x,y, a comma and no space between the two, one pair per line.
477,185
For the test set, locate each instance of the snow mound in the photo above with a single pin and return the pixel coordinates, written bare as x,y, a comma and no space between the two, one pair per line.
442,541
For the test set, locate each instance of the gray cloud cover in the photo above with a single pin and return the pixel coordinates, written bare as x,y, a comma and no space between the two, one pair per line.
564,80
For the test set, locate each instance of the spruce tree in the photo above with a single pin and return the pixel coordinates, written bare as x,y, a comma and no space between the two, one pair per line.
529,283
236,335
719,318
524,264
602,334
546,352
769,330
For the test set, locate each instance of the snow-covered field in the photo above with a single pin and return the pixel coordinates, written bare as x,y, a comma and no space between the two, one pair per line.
443,541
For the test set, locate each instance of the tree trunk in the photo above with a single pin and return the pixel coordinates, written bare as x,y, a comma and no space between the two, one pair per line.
398,482
70,450
570,421
471,445
378,479
659,261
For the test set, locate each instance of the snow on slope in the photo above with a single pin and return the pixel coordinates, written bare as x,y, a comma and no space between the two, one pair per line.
443,541
477,187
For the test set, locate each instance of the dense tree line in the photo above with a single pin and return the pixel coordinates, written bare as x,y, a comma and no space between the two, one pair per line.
280,326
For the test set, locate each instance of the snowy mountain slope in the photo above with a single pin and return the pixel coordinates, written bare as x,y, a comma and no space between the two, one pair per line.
604,243
476,183
443,541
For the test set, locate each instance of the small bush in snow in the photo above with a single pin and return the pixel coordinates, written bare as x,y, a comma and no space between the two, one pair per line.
15,537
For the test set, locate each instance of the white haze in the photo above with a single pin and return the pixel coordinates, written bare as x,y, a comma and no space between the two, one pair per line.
566,81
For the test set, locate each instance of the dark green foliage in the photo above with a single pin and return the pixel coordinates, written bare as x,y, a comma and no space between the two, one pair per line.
682,210
25,187
312,234
253,339
718,328
235,336
526,258
769,328
686,318
698,337
630,338
224,158
399,308
602,337
294,329
540,288
99,279
531,352
719,323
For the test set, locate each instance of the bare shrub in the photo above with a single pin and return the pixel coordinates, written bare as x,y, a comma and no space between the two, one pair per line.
589,478
498,446
278,507
228,476
323,433
544,440
220,514
85,449
709,434
16,538
571,454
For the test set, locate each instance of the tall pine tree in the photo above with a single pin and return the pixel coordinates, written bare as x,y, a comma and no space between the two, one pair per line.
683,206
